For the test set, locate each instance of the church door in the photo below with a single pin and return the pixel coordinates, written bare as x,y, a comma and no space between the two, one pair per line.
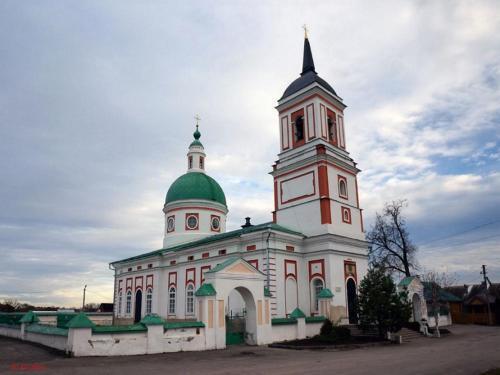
138,306
352,301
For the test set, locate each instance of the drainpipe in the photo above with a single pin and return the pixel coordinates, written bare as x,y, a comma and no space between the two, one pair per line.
268,281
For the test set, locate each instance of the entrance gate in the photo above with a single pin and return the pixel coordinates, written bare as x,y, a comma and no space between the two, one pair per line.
235,330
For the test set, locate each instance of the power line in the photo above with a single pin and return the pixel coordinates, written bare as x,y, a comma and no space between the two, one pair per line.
472,241
459,233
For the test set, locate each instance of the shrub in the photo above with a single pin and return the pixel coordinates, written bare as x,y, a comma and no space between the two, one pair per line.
326,328
341,333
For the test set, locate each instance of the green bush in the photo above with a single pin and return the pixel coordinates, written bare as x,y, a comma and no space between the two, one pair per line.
341,333
326,328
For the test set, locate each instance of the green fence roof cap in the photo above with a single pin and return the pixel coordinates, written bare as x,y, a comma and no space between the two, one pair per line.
297,313
29,317
205,290
80,321
325,293
152,320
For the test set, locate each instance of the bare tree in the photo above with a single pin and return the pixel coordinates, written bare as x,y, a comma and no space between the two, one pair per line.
435,282
391,247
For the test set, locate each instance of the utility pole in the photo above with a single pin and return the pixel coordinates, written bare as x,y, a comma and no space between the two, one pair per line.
490,322
83,305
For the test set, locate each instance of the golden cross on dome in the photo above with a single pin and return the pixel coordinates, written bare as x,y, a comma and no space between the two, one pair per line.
197,118
304,26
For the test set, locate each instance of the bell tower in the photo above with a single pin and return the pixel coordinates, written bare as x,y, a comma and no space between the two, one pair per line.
315,179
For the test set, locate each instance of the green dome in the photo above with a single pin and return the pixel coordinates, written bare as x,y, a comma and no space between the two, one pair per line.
195,185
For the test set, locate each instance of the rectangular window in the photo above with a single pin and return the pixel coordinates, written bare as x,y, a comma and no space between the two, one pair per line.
173,262
202,160
298,128
222,252
251,247
129,269
290,248
190,258
205,255
190,162
150,265
139,267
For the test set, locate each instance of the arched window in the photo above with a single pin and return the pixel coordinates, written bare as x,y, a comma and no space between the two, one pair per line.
171,300
120,301
149,301
202,165
342,188
317,286
190,299
129,302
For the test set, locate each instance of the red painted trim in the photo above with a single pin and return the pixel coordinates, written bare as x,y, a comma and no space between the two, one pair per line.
290,248
149,281
322,162
211,218
202,270
324,193
321,274
205,255
173,262
322,115
325,210
120,285
275,199
286,126
310,98
301,196
324,190
357,193
172,283
294,273
294,117
341,131
361,219
197,215
135,283
128,285
320,150
254,263
194,208
313,122
222,252
348,211
251,247
188,280
346,276
342,178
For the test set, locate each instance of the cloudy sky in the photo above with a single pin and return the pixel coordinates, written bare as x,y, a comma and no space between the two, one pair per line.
97,100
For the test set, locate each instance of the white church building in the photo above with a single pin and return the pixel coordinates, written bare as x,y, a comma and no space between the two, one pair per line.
309,257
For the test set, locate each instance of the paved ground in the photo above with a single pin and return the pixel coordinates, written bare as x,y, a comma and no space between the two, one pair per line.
469,350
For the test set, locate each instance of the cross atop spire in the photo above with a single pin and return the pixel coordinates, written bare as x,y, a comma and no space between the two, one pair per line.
197,118
304,26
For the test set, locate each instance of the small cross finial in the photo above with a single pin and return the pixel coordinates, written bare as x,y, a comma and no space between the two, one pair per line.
304,26
197,118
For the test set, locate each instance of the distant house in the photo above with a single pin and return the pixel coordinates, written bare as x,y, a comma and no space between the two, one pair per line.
105,307
474,301
446,300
